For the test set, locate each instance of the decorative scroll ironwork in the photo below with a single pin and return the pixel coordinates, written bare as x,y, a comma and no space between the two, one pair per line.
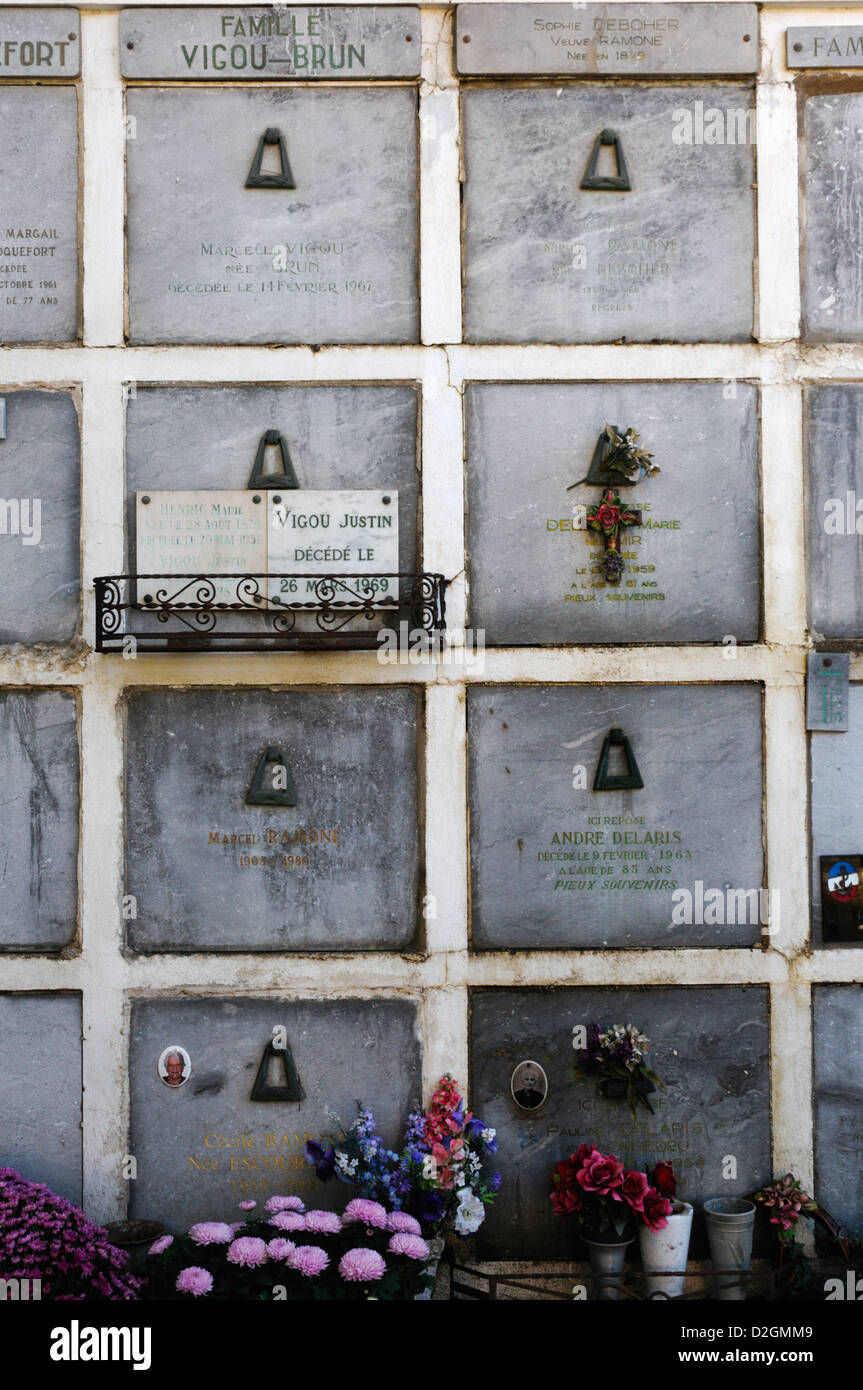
164,612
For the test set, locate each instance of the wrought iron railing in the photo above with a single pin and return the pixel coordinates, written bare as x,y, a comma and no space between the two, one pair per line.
265,612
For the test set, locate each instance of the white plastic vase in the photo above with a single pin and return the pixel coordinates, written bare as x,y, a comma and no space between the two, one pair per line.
666,1250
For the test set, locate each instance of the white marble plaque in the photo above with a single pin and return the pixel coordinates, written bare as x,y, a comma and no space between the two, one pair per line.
354,534
200,533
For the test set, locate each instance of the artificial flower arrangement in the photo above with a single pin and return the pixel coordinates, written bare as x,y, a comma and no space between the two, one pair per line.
442,1175
43,1237
785,1202
604,1198
616,1057
288,1253
625,457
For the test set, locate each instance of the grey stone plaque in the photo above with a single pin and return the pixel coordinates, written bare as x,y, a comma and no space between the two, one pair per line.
40,43
835,522
39,827
39,517
548,261
710,1048
39,232
535,579
271,41
40,1088
337,871
836,767
827,691
205,1146
338,437
833,181
838,1109
677,862
825,46
332,259
594,40
838,1020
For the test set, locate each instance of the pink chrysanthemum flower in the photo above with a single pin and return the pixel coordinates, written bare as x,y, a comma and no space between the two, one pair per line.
324,1222
288,1221
211,1233
402,1243
194,1280
160,1245
248,1251
247,1206
369,1213
285,1204
401,1221
361,1266
279,1249
309,1260
237,1226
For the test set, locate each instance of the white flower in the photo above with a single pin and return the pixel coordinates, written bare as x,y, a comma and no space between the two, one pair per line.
487,1136
429,1168
470,1214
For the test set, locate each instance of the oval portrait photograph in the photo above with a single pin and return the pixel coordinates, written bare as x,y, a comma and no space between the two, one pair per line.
529,1085
175,1066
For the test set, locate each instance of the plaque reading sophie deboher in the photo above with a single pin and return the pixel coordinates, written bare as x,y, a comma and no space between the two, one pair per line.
587,40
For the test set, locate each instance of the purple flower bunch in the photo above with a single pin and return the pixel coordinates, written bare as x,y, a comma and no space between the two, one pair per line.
288,1253
45,1237
617,1057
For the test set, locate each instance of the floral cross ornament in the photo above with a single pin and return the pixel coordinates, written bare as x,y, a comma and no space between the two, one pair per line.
608,516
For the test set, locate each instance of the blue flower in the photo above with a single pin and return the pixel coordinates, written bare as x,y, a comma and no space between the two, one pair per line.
430,1206
495,1181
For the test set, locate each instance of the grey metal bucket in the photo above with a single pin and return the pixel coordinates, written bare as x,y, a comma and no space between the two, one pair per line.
730,1221
606,1264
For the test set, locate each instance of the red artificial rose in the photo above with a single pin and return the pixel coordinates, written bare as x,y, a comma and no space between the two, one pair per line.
566,1200
632,1190
608,515
565,1173
656,1210
600,1173
582,1154
664,1179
